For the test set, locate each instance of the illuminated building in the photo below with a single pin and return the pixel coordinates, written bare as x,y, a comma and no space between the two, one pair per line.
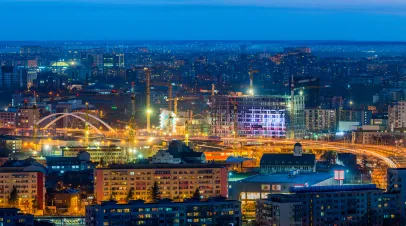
63,164
320,120
176,181
280,209
341,205
26,117
256,116
8,118
108,154
283,163
178,153
28,178
12,217
11,143
396,184
253,188
214,211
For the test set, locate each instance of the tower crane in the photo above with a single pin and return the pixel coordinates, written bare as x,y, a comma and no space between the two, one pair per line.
251,74
212,91
176,99
131,123
170,90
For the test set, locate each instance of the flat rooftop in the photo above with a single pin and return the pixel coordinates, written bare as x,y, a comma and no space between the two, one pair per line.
335,188
303,178
161,166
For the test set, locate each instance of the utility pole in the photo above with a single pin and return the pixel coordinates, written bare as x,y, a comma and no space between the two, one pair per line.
148,101
251,74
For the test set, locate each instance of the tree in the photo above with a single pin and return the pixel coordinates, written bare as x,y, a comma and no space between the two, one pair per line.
34,205
111,197
154,192
196,195
101,162
329,156
130,194
12,200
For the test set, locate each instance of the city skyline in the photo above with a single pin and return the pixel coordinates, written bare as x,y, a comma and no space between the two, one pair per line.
181,20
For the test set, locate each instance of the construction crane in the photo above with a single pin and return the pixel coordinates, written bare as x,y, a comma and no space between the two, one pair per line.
212,91
235,117
131,123
148,101
87,125
35,127
176,99
292,103
170,90
251,74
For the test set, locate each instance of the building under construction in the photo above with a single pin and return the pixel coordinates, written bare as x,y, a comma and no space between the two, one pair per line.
257,116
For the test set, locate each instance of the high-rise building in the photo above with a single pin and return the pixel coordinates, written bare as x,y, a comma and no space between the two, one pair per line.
320,120
257,116
176,181
397,115
344,205
396,184
12,77
280,209
26,116
27,178
214,211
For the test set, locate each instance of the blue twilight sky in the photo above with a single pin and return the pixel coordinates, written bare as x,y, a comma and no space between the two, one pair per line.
380,20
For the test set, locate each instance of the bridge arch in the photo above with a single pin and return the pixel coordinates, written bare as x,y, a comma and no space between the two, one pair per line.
76,116
73,114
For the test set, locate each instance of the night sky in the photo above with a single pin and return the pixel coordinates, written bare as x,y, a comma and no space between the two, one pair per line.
380,20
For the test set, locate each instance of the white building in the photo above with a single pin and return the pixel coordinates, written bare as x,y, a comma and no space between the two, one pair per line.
397,115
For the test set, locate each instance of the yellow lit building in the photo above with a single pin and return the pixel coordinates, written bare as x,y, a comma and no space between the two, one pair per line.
109,154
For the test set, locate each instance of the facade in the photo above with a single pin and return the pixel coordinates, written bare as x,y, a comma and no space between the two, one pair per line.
63,164
396,184
215,211
253,188
107,154
8,119
12,77
283,163
321,120
360,116
11,143
26,117
341,205
397,115
177,153
176,181
257,116
30,186
279,209
12,217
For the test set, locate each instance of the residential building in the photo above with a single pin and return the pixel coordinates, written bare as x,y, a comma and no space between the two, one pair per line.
11,143
176,181
253,188
26,117
177,153
321,120
107,154
257,116
12,77
397,115
279,209
396,184
8,118
341,205
63,164
277,163
214,211
67,201
28,178
13,217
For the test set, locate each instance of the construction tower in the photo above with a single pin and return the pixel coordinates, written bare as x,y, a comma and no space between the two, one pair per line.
148,101
87,125
131,124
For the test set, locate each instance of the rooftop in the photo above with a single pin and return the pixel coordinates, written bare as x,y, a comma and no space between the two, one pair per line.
335,188
162,166
288,159
303,178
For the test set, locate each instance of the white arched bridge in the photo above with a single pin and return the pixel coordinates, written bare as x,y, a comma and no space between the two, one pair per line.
78,115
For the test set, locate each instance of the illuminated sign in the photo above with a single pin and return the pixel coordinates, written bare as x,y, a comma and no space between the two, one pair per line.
265,187
276,187
338,174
